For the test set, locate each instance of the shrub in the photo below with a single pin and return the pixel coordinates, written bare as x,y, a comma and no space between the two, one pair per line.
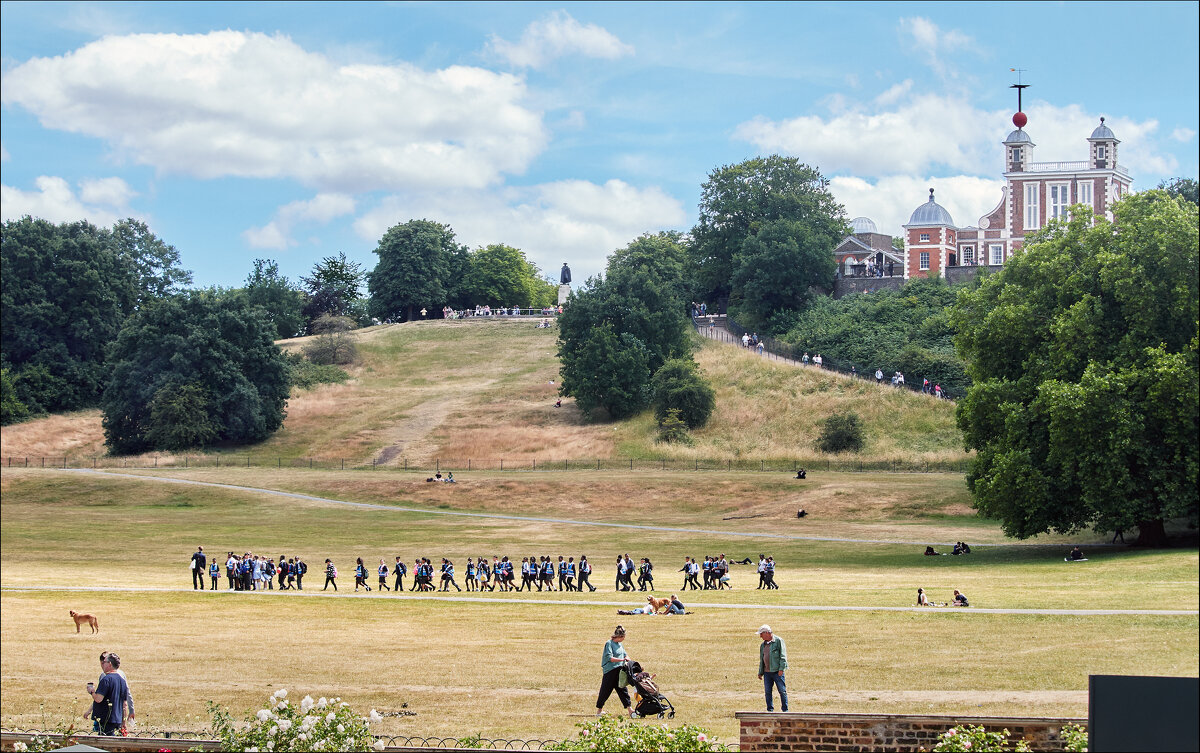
841,432
975,739
277,726
613,733
11,407
1075,738
305,374
672,428
679,386
332,348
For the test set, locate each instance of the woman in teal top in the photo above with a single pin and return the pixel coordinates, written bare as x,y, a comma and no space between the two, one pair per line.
611,662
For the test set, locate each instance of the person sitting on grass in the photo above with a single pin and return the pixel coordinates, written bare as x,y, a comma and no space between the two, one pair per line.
930,552
676,606
960,599
1076,555
923,600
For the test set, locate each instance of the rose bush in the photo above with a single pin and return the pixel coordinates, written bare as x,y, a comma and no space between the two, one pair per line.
613,733
321,725
966,738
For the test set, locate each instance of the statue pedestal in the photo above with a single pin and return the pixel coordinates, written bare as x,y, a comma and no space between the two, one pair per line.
563,292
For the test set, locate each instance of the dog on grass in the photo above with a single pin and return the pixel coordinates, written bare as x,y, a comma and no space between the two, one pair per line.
658,604
86,619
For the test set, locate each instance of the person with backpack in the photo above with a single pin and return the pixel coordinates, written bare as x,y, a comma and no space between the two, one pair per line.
400,571
571,575
330,575
585,571
199,566
360,576
301,569
383,575
646,575
282,570
469,576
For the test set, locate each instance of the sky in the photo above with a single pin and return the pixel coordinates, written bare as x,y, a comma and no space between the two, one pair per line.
294,131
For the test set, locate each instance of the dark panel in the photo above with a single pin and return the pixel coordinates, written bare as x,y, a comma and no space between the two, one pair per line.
1130,713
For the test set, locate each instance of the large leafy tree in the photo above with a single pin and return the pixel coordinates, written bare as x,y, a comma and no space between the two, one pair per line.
64,292
210,362
1083,353
608,370
1185,188
789,204
499,275
155,263
333,288
275,294
414,269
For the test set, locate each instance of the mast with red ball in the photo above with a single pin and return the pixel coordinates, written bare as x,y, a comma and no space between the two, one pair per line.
1019,119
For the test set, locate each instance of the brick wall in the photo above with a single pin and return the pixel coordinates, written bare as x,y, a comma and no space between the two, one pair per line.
771,732
845,286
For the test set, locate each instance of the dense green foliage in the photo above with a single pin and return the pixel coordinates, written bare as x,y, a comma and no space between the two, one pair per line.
11,407
64,292
765,237
500,275
305,374
841,432
908,330
333,290
333,343
180,418
1083,352
1185,188
275,294
223,347
616,733
680,389
414,269
636,315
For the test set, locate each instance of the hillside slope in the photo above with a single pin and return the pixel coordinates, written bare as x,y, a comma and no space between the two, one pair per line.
485,389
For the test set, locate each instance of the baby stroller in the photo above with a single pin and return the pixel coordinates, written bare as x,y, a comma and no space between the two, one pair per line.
650,700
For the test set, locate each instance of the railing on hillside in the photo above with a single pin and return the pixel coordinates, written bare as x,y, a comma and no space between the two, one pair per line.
460,465
777,350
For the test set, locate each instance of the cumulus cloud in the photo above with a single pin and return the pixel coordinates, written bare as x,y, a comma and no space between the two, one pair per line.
555,36
318,210
890,201
932,42
102,201
231,103
907,133
575,221
1183,135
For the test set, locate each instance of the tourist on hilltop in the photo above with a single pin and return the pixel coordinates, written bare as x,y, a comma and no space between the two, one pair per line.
199,566
301,569
772,664
383,576
804,358
818,361
612,660
878,376
585,573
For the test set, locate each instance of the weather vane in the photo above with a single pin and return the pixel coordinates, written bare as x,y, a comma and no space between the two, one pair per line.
1019,119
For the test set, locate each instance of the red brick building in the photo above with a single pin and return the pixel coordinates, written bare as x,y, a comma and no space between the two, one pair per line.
1034,194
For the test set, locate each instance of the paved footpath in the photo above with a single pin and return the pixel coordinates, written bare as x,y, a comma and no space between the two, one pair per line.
524,519
626,604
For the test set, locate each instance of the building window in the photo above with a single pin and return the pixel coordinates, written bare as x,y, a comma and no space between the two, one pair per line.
1058,198
924,260
1016,154
968,254
997,254
1085,193
1032,207
1101,151
924,237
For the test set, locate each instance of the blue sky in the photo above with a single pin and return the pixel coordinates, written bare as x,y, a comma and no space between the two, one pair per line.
294,131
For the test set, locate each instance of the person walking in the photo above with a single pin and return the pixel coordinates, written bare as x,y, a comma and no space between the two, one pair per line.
360,576
772,663
301,569
110,699
199,567
585,572
330,575
612,662
399,571
383,576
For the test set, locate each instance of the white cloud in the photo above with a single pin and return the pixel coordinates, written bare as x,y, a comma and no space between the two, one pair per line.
101,202
890,201
932,42
906,133
575,221
231,103
1183,135
556,35
319,210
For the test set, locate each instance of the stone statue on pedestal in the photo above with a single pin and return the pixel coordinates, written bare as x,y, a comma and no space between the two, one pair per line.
564,289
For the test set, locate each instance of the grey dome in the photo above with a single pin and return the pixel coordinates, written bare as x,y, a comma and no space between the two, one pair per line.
1018,137
862,225
1103,132
931,213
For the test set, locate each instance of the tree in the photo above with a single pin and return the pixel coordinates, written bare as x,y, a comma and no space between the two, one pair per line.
680,389
333,288
608,370
413,270
223,347
775,269
155,263
11,407
499,275
64,293
333,342
179,418
1083,354
1184,188
841,432
740,201
275,295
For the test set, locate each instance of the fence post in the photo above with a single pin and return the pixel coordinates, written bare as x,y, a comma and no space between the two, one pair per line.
343,464
373,464
597,463
155,462
43,462
534,467
247,460
501,463
437,465
278,462
26,462
310,463
405,463
762,465
631,464
185,461
218,461
468,464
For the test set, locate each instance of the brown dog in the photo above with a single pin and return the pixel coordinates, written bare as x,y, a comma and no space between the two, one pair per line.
90,619
658,604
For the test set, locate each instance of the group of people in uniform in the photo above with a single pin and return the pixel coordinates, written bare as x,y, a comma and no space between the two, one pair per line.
479,574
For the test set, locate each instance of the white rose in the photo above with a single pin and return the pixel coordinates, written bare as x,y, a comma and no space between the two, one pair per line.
270,745
274,730
18,745
284,724
378,745
301,737
375,716
306,703
330,716
322,703
263,715
341,728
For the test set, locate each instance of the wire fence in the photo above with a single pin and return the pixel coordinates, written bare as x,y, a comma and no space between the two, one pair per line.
452,465
159,740
777,350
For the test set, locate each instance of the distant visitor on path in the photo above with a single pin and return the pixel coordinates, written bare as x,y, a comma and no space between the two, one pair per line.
612,662
772,663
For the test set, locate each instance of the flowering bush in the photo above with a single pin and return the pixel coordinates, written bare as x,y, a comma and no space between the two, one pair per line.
975,739
616,733
320,725
1075,738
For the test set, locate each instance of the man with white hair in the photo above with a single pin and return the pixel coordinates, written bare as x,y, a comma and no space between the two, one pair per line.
772,663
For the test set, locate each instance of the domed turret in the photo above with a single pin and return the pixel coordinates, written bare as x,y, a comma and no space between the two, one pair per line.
1103,132
1103,143
931,213
862,225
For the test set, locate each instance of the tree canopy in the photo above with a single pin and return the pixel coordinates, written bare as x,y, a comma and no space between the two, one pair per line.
1083,354
415,261
194,369
333,289
766,232
275,295
500,275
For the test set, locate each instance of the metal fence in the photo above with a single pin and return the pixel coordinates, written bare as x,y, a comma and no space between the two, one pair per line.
458,465
158,740
777,350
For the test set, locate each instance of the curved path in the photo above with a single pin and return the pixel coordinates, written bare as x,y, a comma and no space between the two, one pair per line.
521,518
626,603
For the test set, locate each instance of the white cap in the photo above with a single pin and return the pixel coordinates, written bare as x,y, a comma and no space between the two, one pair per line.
765,629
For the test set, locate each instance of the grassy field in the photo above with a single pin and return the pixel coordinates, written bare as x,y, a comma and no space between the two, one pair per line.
529,669
486,390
